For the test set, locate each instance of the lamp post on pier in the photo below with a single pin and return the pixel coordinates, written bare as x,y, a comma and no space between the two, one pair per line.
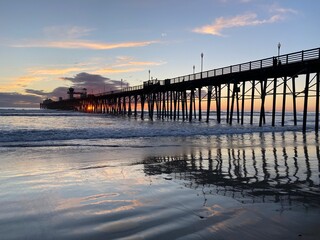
279,46
201,64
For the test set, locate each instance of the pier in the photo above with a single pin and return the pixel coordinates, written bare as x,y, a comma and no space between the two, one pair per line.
278,83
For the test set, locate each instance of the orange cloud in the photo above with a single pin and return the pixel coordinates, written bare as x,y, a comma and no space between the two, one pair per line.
221,23
57,71
35,75
19,83
82,45
137,63
114,70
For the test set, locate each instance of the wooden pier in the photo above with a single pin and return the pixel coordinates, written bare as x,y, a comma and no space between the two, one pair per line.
271,83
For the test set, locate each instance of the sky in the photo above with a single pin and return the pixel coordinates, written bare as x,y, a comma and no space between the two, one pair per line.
49,46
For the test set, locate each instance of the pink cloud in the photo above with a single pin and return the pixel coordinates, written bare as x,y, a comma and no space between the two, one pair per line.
249,19
78,44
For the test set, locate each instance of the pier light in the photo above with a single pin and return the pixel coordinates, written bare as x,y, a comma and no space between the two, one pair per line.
201,62
279,46
194,69
89,108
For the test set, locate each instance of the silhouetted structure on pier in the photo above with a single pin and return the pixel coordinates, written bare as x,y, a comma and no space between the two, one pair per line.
234,89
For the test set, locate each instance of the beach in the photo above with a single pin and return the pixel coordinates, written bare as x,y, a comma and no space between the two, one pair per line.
69,175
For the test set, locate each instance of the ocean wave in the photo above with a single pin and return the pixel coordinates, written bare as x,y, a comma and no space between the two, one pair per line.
36,128
57,137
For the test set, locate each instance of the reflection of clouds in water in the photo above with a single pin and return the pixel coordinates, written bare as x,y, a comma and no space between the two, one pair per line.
276,167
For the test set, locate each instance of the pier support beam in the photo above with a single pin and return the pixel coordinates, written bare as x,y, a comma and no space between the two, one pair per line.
164,112
294,100
252,101
218,102
171,104
228,101
263,98
183,103
158,106
305,107
178,102
175,97
237,98
135,105
242,103
199,95
284,97
124,106
129,107
191,104
274,101
208,102
317,103
150,106
142,99
232,102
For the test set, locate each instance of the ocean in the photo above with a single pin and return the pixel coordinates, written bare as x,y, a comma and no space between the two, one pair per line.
72,175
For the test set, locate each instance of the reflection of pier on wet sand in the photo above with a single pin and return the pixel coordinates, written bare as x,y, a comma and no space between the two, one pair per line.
285,170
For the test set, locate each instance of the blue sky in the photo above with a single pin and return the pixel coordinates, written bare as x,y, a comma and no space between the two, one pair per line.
47,46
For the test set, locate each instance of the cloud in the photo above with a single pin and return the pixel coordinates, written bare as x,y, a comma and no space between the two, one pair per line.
70,37
94,83
13,99
283,11
34,75
25,80
114,70
78,44
139,63
20,82
54,71
36,92
249,19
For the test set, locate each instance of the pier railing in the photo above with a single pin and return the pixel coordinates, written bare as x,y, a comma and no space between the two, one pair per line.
127,89
300,56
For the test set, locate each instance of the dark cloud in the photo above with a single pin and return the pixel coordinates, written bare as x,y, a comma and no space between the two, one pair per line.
58,92
92,82
55,94
36,92
19,100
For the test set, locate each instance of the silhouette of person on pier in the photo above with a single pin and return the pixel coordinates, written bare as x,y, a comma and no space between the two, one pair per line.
274,61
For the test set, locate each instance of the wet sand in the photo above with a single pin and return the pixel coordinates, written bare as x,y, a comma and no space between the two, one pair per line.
250,186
